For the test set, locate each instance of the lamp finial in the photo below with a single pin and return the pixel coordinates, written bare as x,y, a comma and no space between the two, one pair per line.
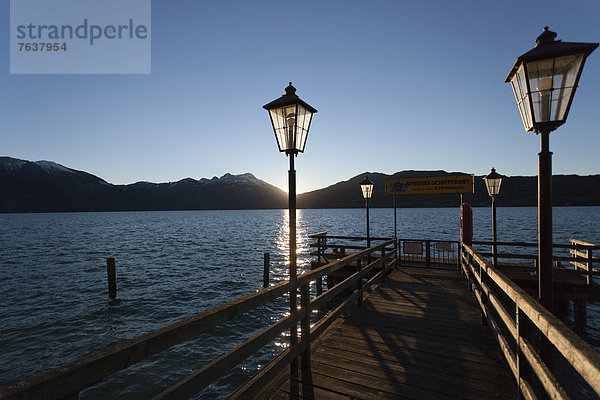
290,89
546,37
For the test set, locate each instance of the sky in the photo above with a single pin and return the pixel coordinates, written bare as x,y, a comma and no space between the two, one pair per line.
398,85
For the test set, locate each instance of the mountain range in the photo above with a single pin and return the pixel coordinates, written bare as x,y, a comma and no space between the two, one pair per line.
45,186
567,190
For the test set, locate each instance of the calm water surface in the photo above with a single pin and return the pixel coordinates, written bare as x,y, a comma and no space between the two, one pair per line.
172,265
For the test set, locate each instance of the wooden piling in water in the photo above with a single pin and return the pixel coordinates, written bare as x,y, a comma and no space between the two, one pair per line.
111,269
267,263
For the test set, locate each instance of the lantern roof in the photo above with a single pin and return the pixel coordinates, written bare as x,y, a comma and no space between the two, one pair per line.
366,181
548,47
493,175
290,97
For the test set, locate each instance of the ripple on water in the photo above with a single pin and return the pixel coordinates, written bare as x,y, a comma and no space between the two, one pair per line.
172,265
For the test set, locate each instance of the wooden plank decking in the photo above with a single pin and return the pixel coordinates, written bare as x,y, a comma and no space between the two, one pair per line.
418,336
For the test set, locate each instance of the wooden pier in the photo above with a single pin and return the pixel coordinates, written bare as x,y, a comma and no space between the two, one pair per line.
383,330
419,336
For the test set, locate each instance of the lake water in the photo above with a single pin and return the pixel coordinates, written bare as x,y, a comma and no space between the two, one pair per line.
175,264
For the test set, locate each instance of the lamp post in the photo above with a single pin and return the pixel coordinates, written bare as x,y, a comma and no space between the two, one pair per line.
544,81
291,117
367,190
492,182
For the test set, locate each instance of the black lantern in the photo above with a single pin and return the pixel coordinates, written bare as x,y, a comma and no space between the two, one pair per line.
291,118
545,78
492,182
367,188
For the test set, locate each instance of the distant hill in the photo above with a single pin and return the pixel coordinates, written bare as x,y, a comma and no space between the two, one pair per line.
567,190
45,186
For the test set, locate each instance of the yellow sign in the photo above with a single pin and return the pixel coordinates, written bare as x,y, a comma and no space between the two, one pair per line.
430,185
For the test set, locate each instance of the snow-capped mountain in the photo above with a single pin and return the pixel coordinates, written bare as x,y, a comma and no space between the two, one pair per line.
46,186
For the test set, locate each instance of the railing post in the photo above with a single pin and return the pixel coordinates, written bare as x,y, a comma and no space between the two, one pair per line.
523,327
519,354
469,273
458,256
267,263
322,243
590,268
111,269
360,282
321,247
305,327
399,253
383,270
484,296
427,254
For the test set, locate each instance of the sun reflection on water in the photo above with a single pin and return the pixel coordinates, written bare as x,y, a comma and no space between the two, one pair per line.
281,269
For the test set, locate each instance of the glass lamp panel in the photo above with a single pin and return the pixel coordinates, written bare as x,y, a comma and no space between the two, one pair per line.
281,118
519,86
367,190
302,126
493,185
552,82
569,68
540,74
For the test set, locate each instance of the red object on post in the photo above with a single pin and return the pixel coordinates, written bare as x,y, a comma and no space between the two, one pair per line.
466,223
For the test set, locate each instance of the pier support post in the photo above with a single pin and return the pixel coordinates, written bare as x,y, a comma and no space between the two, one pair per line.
111,269
267,263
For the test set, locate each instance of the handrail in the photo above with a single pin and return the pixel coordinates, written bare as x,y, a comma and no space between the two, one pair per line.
579,244
427,240
314,235
583,243
71,378
582,357
324,234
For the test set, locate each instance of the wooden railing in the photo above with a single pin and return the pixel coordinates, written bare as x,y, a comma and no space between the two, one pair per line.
429,253
582,258
579,254
339,246
67,381
517,327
